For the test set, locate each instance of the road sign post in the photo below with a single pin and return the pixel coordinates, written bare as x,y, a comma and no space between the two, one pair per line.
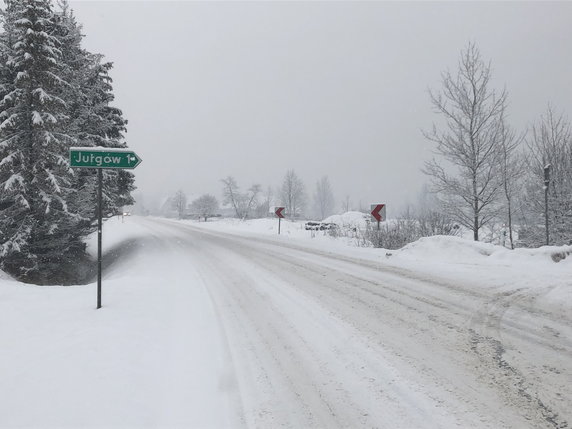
278,212
99,232
378,213
546,186
100,158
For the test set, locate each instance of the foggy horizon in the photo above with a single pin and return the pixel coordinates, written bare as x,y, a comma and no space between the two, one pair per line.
252,90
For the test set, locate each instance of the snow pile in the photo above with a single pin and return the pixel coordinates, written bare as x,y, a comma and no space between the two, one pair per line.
545,253
461,250
117,231
544,272
446,249
349,220
5,277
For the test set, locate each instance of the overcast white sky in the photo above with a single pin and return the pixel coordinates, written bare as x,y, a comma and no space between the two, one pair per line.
251,89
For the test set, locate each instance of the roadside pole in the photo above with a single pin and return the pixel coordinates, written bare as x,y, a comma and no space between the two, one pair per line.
100,158
99,231
546,186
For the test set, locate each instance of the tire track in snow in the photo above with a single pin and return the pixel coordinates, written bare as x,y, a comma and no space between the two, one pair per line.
443,318
299,364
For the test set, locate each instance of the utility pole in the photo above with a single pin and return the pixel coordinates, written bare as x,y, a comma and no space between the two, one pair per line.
546,186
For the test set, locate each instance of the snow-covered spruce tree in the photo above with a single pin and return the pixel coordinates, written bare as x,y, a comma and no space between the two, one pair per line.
92,121
7,70
35,223
73,66
53,94
98,123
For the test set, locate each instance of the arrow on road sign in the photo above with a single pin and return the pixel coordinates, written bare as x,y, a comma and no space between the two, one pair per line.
279,211
103,158
378,212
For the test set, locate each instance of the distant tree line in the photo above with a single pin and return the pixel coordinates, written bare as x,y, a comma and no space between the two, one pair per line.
255,202
54,94
486,177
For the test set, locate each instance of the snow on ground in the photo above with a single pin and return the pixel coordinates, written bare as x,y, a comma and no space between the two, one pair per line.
131,364
154,355
117,231
503,316
547,271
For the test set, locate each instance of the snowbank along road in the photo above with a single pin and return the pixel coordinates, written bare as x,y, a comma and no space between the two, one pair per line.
314,339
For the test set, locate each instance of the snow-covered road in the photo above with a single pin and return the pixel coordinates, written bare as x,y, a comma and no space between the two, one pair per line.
203,326
313,339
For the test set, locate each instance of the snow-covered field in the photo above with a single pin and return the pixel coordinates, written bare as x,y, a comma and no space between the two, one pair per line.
227,324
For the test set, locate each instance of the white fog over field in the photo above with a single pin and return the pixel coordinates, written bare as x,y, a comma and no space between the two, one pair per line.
252,89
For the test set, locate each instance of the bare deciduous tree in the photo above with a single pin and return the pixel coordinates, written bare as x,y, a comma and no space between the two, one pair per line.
346,204
179,203
263,208
250,200
205,206
468,186
293,194
242,203
432,221
511,171
550,143
231,194
324,198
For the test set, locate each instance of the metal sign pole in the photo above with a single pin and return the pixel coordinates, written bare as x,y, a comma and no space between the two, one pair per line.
546,186
279,225
100,158
99,231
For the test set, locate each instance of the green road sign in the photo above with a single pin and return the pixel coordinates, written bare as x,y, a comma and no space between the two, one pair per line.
103,158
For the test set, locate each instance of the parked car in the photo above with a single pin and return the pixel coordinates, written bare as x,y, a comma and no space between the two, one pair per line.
319,226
